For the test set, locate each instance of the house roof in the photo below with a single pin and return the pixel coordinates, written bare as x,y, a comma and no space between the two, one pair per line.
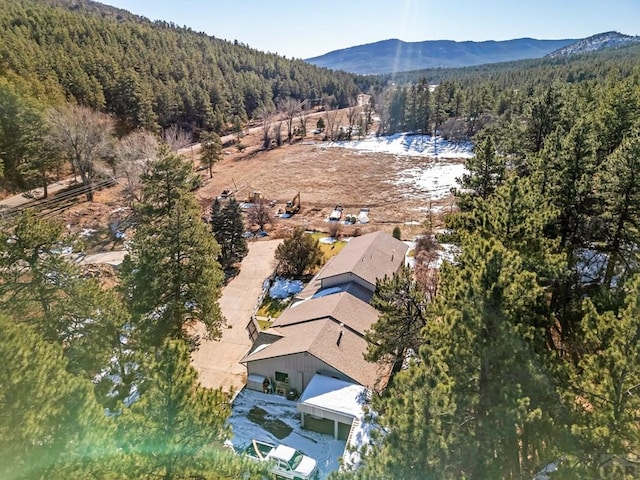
342,307
335,395
370,257
325,339
330,323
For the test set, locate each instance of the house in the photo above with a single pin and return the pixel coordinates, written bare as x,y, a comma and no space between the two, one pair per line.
323,330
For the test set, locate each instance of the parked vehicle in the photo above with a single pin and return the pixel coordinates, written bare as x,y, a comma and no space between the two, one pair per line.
284,461
336,214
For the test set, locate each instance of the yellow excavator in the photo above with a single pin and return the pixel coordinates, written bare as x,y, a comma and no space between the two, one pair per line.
293,206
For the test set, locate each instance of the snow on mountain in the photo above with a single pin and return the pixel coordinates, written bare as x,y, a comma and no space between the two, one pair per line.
600,41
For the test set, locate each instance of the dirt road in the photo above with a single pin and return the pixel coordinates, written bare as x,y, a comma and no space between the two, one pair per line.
217,362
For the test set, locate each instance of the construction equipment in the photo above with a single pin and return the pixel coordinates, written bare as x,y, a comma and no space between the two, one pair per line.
253,197
293,206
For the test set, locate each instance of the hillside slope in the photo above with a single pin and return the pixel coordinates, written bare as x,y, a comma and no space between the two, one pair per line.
397,56
148,74
595,43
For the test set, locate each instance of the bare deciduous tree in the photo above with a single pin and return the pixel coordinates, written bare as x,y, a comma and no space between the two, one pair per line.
82,136
353,113
332,124
266,115
135,154
289,107
260,213
176,137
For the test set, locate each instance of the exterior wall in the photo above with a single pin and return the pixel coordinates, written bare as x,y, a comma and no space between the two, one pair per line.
300,367
346,278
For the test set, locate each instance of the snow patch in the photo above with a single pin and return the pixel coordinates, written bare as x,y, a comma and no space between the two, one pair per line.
406,144
436,179
323,448
284,288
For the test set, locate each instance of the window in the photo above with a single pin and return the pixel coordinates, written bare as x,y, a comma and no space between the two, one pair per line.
282,377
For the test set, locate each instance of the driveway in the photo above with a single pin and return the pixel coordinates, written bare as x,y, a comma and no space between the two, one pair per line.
217,362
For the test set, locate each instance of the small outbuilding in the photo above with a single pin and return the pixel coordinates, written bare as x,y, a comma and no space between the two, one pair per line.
330,405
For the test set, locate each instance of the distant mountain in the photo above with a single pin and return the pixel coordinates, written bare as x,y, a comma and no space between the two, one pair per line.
601,41
395,55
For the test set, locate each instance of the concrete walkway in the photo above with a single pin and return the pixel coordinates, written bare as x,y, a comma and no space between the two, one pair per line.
217,362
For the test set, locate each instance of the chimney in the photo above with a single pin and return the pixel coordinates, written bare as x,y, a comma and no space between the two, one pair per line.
393,254
340,335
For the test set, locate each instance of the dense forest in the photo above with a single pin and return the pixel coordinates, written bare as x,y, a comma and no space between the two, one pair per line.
150,74
529,354
522,353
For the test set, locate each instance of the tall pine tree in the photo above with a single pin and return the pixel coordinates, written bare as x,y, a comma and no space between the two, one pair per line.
171,276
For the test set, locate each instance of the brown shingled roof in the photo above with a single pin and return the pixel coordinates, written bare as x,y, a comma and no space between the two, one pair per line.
342,307
320,339
370,257
332,327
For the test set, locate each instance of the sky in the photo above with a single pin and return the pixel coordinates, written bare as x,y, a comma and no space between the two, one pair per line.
307,28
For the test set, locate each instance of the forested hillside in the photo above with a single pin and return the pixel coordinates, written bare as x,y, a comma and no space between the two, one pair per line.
148,74
528,357
520,353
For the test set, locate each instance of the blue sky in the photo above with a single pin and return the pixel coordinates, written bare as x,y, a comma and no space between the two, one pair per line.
307,28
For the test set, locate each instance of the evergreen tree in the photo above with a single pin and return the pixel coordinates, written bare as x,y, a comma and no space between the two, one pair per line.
171,276
481,401
176,428
618,187
486,172
605,380
297,254
42,288
50,423
210,150
228,228
402,307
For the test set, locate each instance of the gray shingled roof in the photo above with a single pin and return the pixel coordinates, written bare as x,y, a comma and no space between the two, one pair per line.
370,257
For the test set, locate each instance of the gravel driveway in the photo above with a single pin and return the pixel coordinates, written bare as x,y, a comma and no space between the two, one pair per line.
217,361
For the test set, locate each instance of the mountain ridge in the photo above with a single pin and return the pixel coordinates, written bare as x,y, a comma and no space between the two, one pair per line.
394,55
597,42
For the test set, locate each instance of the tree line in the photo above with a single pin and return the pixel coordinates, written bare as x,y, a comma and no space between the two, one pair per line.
525,351
150,75
97,382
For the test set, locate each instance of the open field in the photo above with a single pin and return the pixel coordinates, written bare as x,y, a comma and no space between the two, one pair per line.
327,176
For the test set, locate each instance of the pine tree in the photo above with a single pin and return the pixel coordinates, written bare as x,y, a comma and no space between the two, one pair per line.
210,150
604,384
176,429
401,304
228,229
481,401
50,423
42,288
618,187
171,276
486,172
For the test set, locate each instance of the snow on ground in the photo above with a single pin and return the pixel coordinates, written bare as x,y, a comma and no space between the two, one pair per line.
406,144
323,448
436,177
